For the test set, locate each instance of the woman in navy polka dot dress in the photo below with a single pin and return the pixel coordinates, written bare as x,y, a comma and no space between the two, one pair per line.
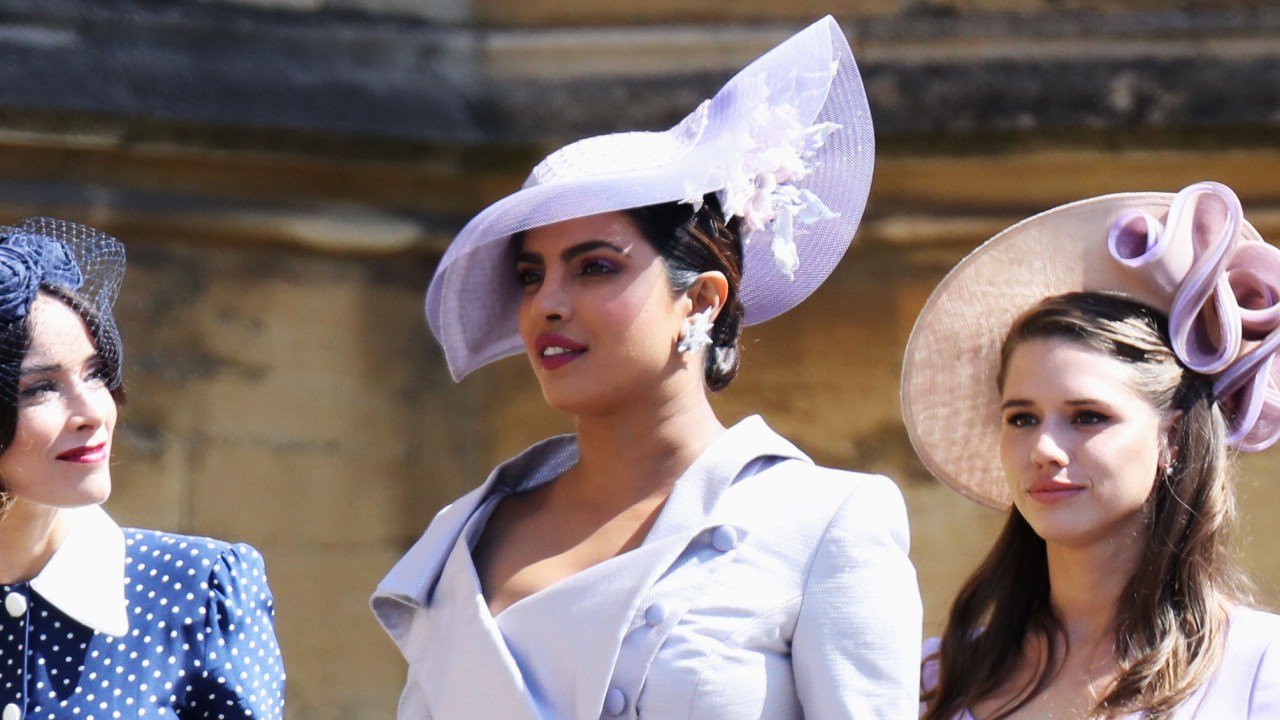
101,622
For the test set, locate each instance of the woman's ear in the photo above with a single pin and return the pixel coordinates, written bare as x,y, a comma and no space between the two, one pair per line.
709,292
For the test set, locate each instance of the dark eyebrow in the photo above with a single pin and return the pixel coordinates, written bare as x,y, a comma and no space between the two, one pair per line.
572,252
1083,402
39,370
583,248
1015,403
56,367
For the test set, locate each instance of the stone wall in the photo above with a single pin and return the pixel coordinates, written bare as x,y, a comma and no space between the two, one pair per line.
286,400
286,173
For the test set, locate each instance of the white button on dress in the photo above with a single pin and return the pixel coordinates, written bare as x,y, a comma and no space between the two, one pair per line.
15,603
12,711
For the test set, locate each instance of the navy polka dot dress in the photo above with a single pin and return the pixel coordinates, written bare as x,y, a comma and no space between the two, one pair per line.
200,642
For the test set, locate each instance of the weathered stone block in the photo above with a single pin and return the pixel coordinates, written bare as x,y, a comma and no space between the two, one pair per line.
949,537
297,496
340,663
149,479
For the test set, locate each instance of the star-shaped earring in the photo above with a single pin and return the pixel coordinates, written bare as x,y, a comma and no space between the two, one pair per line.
696,333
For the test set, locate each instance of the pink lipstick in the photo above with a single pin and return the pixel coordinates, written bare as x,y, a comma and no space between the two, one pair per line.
555,351
1052,491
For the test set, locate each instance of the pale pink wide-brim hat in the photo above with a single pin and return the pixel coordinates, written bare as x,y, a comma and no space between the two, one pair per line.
1190,255
806,91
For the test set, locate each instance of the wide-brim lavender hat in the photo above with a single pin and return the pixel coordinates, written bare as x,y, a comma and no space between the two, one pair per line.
1191,255
787,144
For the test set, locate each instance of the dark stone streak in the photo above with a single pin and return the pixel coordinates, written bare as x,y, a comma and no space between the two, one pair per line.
379,77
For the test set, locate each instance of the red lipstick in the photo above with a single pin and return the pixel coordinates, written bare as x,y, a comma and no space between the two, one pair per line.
86,454
556,351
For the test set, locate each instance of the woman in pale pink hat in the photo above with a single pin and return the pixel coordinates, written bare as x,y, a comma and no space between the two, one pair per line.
1089,370
656,564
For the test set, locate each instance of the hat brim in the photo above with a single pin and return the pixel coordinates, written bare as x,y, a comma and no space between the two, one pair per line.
473,299
950,401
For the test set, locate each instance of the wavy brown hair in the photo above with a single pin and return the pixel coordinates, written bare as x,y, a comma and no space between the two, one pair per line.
1170,629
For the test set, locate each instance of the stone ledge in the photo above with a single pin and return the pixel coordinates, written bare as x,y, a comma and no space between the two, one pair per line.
228,67
335,205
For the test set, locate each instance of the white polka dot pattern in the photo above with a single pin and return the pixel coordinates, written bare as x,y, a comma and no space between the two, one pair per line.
201,642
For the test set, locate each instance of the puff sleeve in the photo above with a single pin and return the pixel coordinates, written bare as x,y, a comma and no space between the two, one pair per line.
856,648
241,671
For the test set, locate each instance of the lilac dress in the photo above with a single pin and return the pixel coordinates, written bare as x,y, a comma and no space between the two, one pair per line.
1245,687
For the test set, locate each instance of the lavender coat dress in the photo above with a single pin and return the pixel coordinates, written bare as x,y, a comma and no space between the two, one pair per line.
768,587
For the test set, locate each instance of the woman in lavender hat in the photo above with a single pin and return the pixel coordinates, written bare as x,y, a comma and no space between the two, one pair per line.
655,563
1088,370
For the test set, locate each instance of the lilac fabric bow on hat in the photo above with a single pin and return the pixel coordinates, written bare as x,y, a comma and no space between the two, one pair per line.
1224,301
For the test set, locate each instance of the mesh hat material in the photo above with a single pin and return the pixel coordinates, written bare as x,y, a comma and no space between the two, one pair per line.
76,264
1158,249
810,83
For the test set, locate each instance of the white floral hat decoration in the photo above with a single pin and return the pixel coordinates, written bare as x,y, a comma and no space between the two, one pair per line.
1191,255
787,146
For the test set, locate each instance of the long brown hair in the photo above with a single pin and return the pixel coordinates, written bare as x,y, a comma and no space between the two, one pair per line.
1169,630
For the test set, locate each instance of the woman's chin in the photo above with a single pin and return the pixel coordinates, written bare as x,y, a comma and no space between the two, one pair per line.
90,499
584,399
571,403
586,394
96,491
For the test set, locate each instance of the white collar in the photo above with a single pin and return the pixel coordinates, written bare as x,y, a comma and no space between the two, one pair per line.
85,576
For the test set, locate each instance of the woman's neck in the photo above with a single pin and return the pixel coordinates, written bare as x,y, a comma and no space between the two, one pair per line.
1085,587
29,536
633,454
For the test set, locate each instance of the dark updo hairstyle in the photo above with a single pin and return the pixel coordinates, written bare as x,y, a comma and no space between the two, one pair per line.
15,341
693,242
